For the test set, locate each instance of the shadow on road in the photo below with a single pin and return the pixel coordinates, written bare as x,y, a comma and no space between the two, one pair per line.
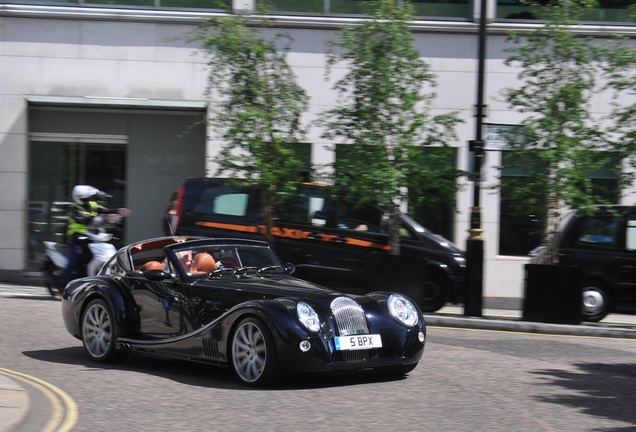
202,375
597,389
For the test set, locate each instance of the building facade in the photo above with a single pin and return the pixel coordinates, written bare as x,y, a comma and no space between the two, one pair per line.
113,95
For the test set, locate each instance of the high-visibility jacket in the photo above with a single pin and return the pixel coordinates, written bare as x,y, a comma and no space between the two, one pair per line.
79,218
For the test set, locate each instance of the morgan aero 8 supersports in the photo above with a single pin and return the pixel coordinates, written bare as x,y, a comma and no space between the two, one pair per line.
234,303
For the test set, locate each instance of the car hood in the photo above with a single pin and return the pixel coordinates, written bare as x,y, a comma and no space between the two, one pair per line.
274,286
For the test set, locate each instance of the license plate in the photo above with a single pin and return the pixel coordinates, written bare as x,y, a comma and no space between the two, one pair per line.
357,342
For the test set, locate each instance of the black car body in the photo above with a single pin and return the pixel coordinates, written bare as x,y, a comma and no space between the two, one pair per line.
603,244
247,313
329,242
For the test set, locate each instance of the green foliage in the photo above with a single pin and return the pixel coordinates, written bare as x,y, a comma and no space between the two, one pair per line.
257,105
559,75
383,111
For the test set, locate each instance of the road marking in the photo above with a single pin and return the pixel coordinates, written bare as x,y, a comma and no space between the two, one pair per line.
64,409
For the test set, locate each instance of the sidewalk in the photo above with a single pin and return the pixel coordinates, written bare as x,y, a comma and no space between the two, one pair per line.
14,403
510,319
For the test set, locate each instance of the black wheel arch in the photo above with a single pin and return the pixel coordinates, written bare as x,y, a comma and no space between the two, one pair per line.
115,297
453,280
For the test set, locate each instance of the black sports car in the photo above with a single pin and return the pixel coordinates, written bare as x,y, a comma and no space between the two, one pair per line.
233,303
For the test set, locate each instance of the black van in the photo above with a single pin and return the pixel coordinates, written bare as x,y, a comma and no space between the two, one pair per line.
338,247
603,244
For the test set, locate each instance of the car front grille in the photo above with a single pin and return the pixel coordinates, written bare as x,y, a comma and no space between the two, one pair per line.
350,319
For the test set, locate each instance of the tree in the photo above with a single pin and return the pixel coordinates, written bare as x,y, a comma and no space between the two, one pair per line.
258,107
382,112
561,142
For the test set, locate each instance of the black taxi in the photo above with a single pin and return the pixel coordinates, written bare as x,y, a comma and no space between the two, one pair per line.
341,246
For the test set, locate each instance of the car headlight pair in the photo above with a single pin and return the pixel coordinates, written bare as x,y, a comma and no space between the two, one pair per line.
400,308
403,310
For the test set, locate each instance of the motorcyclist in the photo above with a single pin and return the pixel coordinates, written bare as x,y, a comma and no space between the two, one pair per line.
81,214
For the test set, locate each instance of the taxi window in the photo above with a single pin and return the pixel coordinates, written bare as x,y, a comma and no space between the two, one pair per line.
231,204
598,231
306,206
222,202
631,235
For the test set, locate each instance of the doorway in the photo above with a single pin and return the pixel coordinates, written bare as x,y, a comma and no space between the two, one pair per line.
56,165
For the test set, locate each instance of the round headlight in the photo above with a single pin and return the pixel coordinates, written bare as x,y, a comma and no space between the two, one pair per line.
402,309
308,317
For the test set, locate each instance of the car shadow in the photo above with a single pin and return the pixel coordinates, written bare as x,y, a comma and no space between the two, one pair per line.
203,375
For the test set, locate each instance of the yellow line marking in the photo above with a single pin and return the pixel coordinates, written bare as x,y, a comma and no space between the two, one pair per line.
64,409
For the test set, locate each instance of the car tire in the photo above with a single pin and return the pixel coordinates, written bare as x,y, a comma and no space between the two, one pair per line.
99,333
434,293
253,354
596,301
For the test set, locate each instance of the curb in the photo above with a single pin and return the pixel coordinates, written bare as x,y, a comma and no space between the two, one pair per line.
14,404
515,325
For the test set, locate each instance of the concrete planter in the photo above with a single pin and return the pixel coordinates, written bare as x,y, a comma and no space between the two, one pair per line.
553,294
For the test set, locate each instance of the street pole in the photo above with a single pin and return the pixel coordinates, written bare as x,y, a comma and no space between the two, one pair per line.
473,292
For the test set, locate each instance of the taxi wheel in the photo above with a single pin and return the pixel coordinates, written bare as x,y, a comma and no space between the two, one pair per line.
434,293
596,301
254,357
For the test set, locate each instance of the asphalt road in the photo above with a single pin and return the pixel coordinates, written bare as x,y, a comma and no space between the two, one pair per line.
468,380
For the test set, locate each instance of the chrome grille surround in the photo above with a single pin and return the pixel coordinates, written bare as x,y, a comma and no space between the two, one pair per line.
349,316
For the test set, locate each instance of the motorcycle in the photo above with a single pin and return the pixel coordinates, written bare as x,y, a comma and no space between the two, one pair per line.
97,249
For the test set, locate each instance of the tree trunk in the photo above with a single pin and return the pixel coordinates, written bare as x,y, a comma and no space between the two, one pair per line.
394,225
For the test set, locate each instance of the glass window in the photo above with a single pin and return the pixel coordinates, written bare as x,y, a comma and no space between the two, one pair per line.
222,201
432,200
306,6
607,10
443,8
146,3
180,4
430,8
631,235
196,4
54,168
522,205
303,206
598,231
432,189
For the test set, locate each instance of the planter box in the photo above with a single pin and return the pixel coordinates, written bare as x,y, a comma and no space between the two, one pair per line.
553,294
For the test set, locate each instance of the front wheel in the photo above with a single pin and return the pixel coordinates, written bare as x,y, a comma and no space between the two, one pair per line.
52,279
254,357
596,302
99,335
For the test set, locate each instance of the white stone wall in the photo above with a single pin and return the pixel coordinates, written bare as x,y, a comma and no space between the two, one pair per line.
144,59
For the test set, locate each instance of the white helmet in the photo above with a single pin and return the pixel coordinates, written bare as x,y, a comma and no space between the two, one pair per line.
84,192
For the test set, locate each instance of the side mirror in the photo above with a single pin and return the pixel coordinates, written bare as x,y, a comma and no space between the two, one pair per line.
156,275
290,268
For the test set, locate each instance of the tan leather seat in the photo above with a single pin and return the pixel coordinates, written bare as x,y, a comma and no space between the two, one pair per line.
151,265
202,263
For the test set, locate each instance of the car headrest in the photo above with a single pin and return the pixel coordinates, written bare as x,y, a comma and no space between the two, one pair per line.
203,263
151,265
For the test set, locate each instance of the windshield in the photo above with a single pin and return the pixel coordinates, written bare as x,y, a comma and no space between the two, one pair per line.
435,240
203,260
